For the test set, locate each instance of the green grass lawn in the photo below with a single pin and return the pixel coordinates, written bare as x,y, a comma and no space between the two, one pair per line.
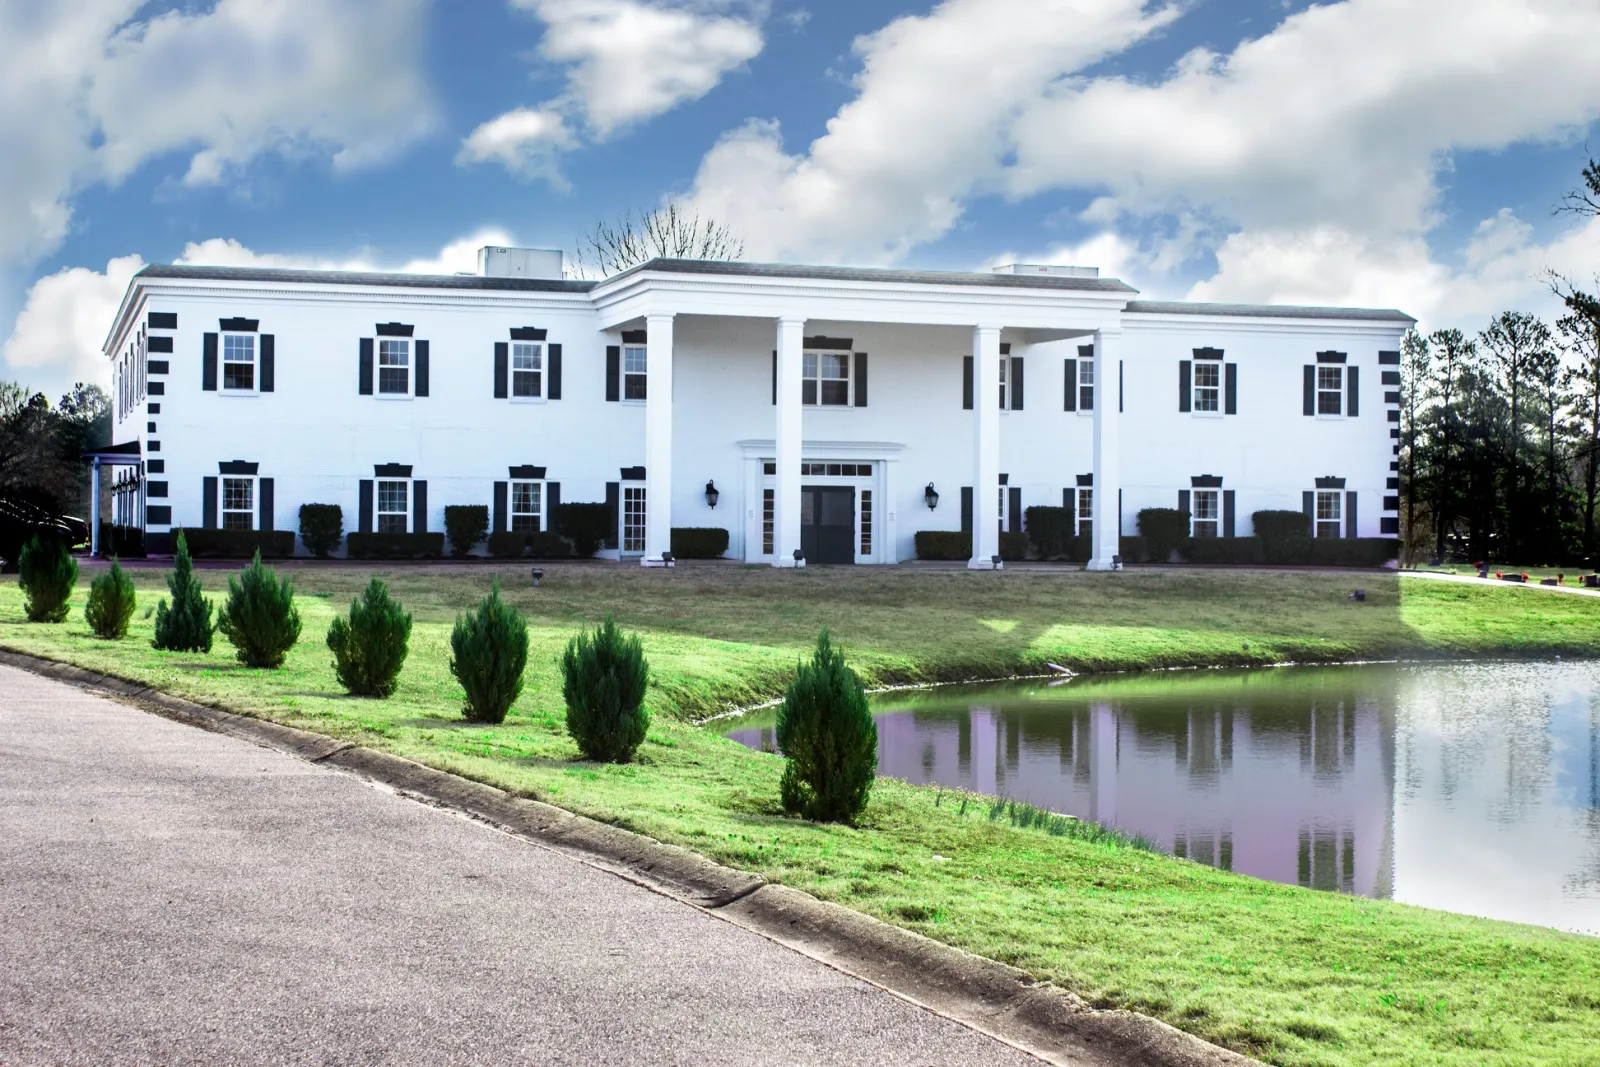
1290,975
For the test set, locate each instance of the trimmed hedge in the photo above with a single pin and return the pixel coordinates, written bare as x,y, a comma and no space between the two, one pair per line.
538,544
1236,550
699,542
1050,530
466,525
943,544
1013,546
1131,549
321,528
587,526
239,544
1165,531
1285,535
394,545
1353,551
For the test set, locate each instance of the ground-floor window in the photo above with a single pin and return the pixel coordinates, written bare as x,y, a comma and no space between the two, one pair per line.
1328,513
394,507
1205,513
1085,514
633,518
238,503
769,508
866,522
527,507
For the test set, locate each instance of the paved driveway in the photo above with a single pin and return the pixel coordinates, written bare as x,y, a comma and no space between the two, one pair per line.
170,896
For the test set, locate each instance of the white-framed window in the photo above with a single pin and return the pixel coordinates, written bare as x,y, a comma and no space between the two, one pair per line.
238,503
394,505
1205,518
1330,389
1207,385
635,367
239,362
1085,515
1085,385
825,379
1005,371
527,507
866,522
633,515
527,370
1328,512
769,520
394,366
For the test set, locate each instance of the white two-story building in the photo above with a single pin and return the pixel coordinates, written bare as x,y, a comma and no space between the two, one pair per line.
828,411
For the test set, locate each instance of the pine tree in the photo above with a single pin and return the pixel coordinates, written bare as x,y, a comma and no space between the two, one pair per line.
826,730
186,626
260,617
490,647
48,576
370,647
111,603
605,678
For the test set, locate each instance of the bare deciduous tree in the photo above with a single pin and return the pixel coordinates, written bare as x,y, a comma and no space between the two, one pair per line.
665,233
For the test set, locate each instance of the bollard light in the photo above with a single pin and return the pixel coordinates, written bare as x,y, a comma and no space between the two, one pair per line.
538,573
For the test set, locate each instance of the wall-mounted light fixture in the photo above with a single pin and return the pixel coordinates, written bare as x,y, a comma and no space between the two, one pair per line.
711,493
931,496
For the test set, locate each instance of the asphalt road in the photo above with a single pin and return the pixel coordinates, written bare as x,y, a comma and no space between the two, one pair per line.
170,896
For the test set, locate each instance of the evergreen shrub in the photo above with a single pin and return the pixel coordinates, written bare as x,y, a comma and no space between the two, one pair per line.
943,544
826,732
1165,531
240,544
490,650
1353,551
587,526
260,617
605,675
540,544
321,528
48,574
370,647
1013,546
1236,550
699,542
1131,549
394,545
1050,530
111,603
465,525
1285,535
186,626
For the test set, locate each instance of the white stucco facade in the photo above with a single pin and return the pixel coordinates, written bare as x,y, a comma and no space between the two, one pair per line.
733,364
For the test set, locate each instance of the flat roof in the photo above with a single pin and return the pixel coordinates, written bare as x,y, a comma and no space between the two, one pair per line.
877,274
372,278
1264,311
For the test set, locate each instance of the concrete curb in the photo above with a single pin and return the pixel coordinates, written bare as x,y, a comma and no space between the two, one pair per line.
995,999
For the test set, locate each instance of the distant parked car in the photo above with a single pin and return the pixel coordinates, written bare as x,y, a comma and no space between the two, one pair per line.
21,520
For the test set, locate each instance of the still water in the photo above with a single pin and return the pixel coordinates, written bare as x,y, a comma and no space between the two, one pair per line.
1473,788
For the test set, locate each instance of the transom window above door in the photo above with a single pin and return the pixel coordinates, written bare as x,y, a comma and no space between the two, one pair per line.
239,362
825,379
394,366
527,370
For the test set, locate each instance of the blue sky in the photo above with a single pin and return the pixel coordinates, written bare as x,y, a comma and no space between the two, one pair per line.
1372,152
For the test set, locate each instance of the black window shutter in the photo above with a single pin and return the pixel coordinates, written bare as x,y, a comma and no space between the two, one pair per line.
269,368
1308,504
1350,514
1016,383
1227,513
364,370
208,503
552,505
1352,384
1119,385
1184,392
613,372
1014,508
208,362
264,491
419,507
614,506
1309,397
774,375
422,369
966,509
1069,395
502,369
1230,388
499,507
553,390
364,523
861,379
1069,504
1183,505
966,382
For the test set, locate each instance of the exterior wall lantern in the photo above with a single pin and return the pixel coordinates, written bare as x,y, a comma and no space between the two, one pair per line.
711,494
931,495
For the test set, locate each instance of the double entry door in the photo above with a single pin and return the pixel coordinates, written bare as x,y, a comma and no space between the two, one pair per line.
828,523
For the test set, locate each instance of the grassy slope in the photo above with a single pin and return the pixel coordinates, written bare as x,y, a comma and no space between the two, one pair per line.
1290,975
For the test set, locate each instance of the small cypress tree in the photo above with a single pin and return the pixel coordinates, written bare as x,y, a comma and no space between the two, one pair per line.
605,677
370,647
187,625
48,576
111,603
260,617
826,731
490,650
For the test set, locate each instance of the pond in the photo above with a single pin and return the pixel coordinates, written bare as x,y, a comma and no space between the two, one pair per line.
1472,788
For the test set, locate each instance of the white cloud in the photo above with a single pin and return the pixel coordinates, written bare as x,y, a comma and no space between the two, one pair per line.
94,89
524,141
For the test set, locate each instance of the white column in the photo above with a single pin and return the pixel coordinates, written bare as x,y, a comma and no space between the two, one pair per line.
791,342
985,446
94,508
1107,449
657,439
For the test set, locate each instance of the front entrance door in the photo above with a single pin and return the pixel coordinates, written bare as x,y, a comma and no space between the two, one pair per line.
828,523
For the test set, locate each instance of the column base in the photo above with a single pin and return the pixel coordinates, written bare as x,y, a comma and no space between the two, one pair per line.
658,562
985,565
779,561
1100,564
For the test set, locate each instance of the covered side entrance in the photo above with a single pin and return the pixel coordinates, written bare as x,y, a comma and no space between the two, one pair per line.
828,523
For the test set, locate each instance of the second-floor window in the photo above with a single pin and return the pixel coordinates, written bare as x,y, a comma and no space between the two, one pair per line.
1085,385
1330,390
527,370
825,378
239,362
394,506
635,365
1207,386
394,366
1205,513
